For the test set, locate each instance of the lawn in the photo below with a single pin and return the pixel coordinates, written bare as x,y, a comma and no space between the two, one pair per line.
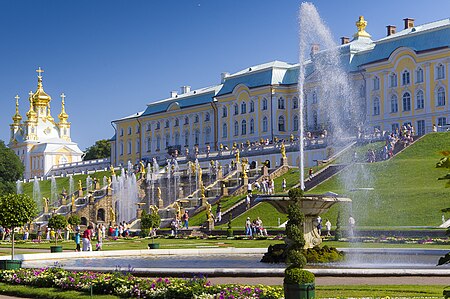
406,191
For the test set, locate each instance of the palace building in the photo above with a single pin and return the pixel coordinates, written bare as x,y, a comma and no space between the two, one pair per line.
40,141
399,79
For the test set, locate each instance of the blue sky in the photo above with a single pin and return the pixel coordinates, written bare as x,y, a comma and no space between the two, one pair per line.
113,57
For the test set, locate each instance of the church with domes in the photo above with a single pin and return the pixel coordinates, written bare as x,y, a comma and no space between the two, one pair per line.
40,141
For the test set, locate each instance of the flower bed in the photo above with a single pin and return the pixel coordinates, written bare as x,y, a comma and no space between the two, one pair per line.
126,285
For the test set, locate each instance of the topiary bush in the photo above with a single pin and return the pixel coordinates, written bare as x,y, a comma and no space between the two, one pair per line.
230,229
298,275
57,222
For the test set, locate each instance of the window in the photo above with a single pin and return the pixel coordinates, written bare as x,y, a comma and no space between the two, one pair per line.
440,70
315,120
129,130
121,148
177,122
186,120
186,138
149,144
177,138
264,104
442,121
236,128
419,99
207,116
167,124
393,80
224,111
420,127
236,109
419,75
207,134
149,126
121,132
224,131
294,103
196,137
137,129
395,127
394,104
280,103
314,98
196,119
376,106
252,106
252,126
441,96
376,83
264,124
281,127
295,127
138,146
405,78
129,147
244,127
158,143
406,99
243,108
158,125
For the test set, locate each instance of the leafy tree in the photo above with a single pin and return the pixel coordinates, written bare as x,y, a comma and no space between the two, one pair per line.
149,221
11,169
74,220
101,149
57,222
16,210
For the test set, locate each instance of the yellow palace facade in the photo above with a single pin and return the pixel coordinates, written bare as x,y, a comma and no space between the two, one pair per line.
399,79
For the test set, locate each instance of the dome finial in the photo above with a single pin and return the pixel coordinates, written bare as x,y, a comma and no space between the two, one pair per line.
31,114
63,116
361,24
17,117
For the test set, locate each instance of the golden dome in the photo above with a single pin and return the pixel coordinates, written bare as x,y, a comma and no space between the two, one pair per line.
40,97
17,117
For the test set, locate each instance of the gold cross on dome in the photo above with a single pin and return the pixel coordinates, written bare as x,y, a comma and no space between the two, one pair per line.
63,96
39,71
17,97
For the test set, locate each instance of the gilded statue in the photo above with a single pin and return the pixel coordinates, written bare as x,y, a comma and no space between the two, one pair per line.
202,191
153,209
142,171
244,168
73,200
237,156
200,173
112,170
45,203
177,208
158,192
283,151
193,167
80,185
113,214
209,214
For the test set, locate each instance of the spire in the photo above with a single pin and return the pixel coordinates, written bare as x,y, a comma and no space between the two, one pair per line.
31,114
63,116
40,98
361,25
17,117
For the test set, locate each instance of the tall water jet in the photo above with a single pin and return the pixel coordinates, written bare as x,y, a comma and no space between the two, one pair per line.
53,191
37,196
88,183
71,185
19,187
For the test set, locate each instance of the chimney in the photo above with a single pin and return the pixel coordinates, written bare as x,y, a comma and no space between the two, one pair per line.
391,29
223,76
185,89
409,23
345,40
314,49
173,94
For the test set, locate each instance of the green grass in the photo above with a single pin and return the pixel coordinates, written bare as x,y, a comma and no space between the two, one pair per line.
377,291
406,190
268,214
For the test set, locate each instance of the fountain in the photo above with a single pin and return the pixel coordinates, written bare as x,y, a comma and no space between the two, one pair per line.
125,196
88,183
19,187
37,196
71,185
53,191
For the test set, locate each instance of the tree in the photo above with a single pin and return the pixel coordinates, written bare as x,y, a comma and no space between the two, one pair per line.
74,220
16,210
57,222
11,169
149,221
101,149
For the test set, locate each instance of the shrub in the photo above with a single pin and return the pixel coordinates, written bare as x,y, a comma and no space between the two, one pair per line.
229,229
57,222
297,275
74,220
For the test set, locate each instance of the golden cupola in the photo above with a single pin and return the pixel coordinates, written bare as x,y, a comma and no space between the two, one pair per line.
40,97
17,118
63,116
31,114
361,25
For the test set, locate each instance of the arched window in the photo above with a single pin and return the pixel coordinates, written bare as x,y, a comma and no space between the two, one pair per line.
406,99
186,120
376,83
420,99
158,143
224,130
177,138
207,116
243,108
138,129
236,109
83,221
294,103
281,103
167,124
440,70
376,106
167,139
121,148
101,215
121,131
295,127
207,134
394,104
236,128
243,127
405,78
315,120
252,106
441,96
186,138
177,122
393,80
264,104
252,126
419,75
129,130
264,124
196,119
314,98
129,145
158,125
138,146
224,111
281,127
149,126
196,137
149,144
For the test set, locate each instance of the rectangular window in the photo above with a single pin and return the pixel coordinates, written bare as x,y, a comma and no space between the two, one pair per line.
395,127
420,127
442,121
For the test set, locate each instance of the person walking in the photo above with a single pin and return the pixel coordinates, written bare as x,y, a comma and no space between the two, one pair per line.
248,227
186,219
328,227
87,236
77,239
283,184
247,202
